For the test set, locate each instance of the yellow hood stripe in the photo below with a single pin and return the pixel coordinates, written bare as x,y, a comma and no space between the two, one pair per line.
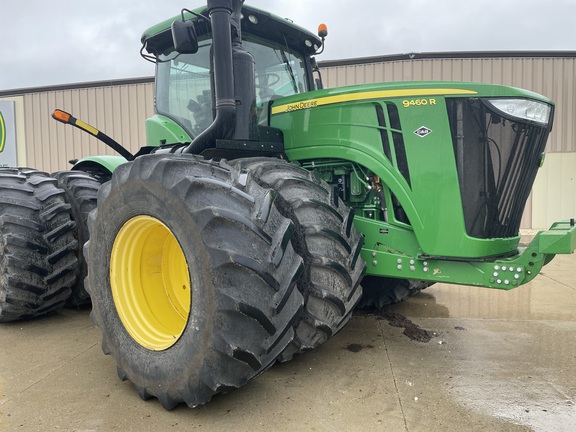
379,94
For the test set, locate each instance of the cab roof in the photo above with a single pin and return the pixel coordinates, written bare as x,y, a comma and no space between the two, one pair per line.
268,26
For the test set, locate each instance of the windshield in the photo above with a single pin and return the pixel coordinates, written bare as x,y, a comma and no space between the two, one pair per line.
183,82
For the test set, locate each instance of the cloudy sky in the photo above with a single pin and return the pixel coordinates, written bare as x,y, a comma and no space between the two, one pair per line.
65,41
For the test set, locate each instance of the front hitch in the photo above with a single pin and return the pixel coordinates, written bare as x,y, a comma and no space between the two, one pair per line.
509,273
559,239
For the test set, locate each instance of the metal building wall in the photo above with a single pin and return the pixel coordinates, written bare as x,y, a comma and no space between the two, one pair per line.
118,109
550,74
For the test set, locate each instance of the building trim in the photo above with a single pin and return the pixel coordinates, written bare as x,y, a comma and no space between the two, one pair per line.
77,86
448,55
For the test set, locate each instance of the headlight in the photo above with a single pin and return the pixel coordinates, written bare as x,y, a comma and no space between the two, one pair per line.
524,109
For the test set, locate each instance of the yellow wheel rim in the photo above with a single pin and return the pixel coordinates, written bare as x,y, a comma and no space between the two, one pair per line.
150,283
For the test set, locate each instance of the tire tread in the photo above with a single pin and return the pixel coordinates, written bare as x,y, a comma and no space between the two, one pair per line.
37,245
326,240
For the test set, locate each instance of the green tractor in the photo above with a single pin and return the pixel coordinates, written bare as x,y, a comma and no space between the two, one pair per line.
241,233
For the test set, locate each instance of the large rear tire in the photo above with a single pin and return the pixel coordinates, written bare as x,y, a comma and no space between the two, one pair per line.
328,242
192,277
37,260
81,192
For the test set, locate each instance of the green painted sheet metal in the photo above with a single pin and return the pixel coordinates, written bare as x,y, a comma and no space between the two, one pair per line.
166,24
342,124
108,162
383,259
559,239
161,130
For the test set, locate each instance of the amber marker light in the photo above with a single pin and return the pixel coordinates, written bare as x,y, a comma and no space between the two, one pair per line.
322,30
61,116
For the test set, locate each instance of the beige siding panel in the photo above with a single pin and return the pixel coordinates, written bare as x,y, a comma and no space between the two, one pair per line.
555,190
118,111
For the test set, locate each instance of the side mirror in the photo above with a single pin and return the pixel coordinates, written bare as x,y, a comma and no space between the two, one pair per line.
184,37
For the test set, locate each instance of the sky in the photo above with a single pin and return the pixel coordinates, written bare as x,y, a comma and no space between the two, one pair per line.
64,41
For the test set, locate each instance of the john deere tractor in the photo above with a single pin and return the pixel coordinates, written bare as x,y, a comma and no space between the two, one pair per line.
241,233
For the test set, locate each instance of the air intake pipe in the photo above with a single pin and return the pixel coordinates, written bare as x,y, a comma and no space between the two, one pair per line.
244,82
224,122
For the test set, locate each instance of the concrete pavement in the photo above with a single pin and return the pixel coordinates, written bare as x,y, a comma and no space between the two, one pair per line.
500,361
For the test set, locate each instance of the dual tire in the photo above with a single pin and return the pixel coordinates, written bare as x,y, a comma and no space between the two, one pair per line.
81,193
202,274
37,245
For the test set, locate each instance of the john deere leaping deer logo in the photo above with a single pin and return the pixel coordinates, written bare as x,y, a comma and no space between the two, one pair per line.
2,132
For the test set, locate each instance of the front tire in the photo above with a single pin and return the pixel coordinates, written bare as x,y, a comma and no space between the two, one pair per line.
37,260
328,242
192,277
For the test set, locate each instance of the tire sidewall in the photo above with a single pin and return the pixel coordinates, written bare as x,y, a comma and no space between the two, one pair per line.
159,368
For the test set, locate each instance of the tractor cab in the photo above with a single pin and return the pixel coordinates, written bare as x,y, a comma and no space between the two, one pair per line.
184,102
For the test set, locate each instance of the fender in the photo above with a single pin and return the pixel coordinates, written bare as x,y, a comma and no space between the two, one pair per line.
101,164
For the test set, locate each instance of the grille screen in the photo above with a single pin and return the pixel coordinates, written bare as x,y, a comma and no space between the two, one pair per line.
497,160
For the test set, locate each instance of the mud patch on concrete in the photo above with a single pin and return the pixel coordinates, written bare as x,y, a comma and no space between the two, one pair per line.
411,330
354,347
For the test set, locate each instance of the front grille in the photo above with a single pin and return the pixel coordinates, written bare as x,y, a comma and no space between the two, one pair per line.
497,160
